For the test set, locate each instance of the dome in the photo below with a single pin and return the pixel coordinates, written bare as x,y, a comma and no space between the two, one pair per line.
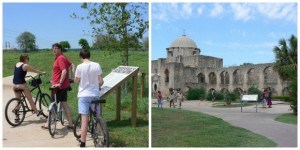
183,41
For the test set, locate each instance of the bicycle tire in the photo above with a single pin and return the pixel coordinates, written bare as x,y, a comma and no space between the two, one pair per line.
77,127
100,133
52,120
62,117
11,112
44,104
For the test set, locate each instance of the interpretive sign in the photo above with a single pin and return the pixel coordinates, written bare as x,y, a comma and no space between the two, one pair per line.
116,77
249,98
114,80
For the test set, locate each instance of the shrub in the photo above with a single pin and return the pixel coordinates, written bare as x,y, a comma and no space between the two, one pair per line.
293,96
196,94
254,90
218,96
230,97
284,98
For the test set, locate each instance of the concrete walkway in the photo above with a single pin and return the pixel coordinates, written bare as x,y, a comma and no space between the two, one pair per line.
262,122
30,133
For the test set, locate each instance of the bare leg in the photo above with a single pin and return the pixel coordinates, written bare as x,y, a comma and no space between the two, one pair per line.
68,113
84,124
27,93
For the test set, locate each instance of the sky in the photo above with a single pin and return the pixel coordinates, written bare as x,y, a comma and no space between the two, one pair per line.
237,32
49,22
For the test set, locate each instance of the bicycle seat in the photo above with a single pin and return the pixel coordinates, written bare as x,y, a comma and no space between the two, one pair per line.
18,90
98,101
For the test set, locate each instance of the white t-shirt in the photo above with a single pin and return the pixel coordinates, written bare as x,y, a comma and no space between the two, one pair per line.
89,82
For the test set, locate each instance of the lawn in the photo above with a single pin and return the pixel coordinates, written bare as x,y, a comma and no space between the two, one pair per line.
181,128
121,132
232,105
287,118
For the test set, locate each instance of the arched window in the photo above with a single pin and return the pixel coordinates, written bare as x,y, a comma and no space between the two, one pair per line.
251,77
237,77
201,78
224,77
166,75
212,78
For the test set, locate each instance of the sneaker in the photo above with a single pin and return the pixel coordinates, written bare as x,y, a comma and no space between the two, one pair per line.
82,144
39,112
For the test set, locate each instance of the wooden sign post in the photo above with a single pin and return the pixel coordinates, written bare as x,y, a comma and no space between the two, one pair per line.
114,80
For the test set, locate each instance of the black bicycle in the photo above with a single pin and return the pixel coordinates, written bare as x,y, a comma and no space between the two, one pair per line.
16,109
96,126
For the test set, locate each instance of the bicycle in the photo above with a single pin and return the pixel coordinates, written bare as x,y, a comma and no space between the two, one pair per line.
96,126
55,111
16,109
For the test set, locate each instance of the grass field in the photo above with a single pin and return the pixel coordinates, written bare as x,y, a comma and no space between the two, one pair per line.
181,128
122,134
287,118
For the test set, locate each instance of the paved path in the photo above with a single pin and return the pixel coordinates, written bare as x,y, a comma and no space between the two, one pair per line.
262,122
29,133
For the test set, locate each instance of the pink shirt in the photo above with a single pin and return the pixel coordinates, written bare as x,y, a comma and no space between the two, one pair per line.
61,62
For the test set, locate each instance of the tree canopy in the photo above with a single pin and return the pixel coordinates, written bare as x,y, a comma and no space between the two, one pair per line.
26,41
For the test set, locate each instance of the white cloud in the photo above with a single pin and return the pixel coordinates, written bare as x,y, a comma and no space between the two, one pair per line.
217,10
200,10
187,9
242,12
274,11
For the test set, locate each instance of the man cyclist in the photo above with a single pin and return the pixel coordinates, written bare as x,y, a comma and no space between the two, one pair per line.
89,76
60,78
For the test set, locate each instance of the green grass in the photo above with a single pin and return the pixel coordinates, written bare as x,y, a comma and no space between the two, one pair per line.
232,105
121,132
287,118
181,128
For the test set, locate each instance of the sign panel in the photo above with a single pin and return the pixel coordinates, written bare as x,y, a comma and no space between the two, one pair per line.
249,97
117,76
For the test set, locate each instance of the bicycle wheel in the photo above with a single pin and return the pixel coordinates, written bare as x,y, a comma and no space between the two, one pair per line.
77,127
44,103
15,112
62,117
52,120
100,134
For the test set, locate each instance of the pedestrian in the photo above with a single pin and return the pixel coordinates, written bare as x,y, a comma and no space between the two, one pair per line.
179,97
171,98
19,82
89,76
60,79
159,99
213,95
264,97
269,98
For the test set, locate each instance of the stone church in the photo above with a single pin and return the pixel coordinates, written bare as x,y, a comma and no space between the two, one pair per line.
185,68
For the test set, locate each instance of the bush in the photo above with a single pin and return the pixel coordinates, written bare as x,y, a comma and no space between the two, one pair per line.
284,98
230,97
196,94
254,90
218,96
293,96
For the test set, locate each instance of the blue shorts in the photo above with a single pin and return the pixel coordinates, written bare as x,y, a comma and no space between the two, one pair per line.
84,103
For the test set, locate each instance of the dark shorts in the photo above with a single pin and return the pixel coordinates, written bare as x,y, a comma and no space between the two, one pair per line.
61,95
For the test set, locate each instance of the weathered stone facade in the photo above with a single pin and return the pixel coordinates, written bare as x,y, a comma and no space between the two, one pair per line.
185,68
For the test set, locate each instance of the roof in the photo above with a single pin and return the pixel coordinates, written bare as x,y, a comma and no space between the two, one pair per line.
183,41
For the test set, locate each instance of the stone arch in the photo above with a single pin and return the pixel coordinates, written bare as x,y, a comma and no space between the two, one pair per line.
167,75
285,91
238,91
224,90
212,78
201,78
224,76
269,75
273,90
251,77
237,77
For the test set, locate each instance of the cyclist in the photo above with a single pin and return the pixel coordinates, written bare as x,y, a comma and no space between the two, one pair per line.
60,78
89,76
19,82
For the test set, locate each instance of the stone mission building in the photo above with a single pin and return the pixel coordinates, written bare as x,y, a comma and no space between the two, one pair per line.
185,68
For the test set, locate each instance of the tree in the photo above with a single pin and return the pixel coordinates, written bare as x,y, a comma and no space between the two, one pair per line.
65,45
26,41
286,66
105,42
146,44
84,44
118,19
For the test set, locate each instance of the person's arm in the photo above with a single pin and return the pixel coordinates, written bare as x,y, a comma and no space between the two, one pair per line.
73,71
76,79
31,69
100,79
62,78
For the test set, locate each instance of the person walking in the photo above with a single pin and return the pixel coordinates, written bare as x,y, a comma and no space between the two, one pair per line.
159,99
19,82
89,76
171,98
269,98
60,79
179,97
264,97
213,95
